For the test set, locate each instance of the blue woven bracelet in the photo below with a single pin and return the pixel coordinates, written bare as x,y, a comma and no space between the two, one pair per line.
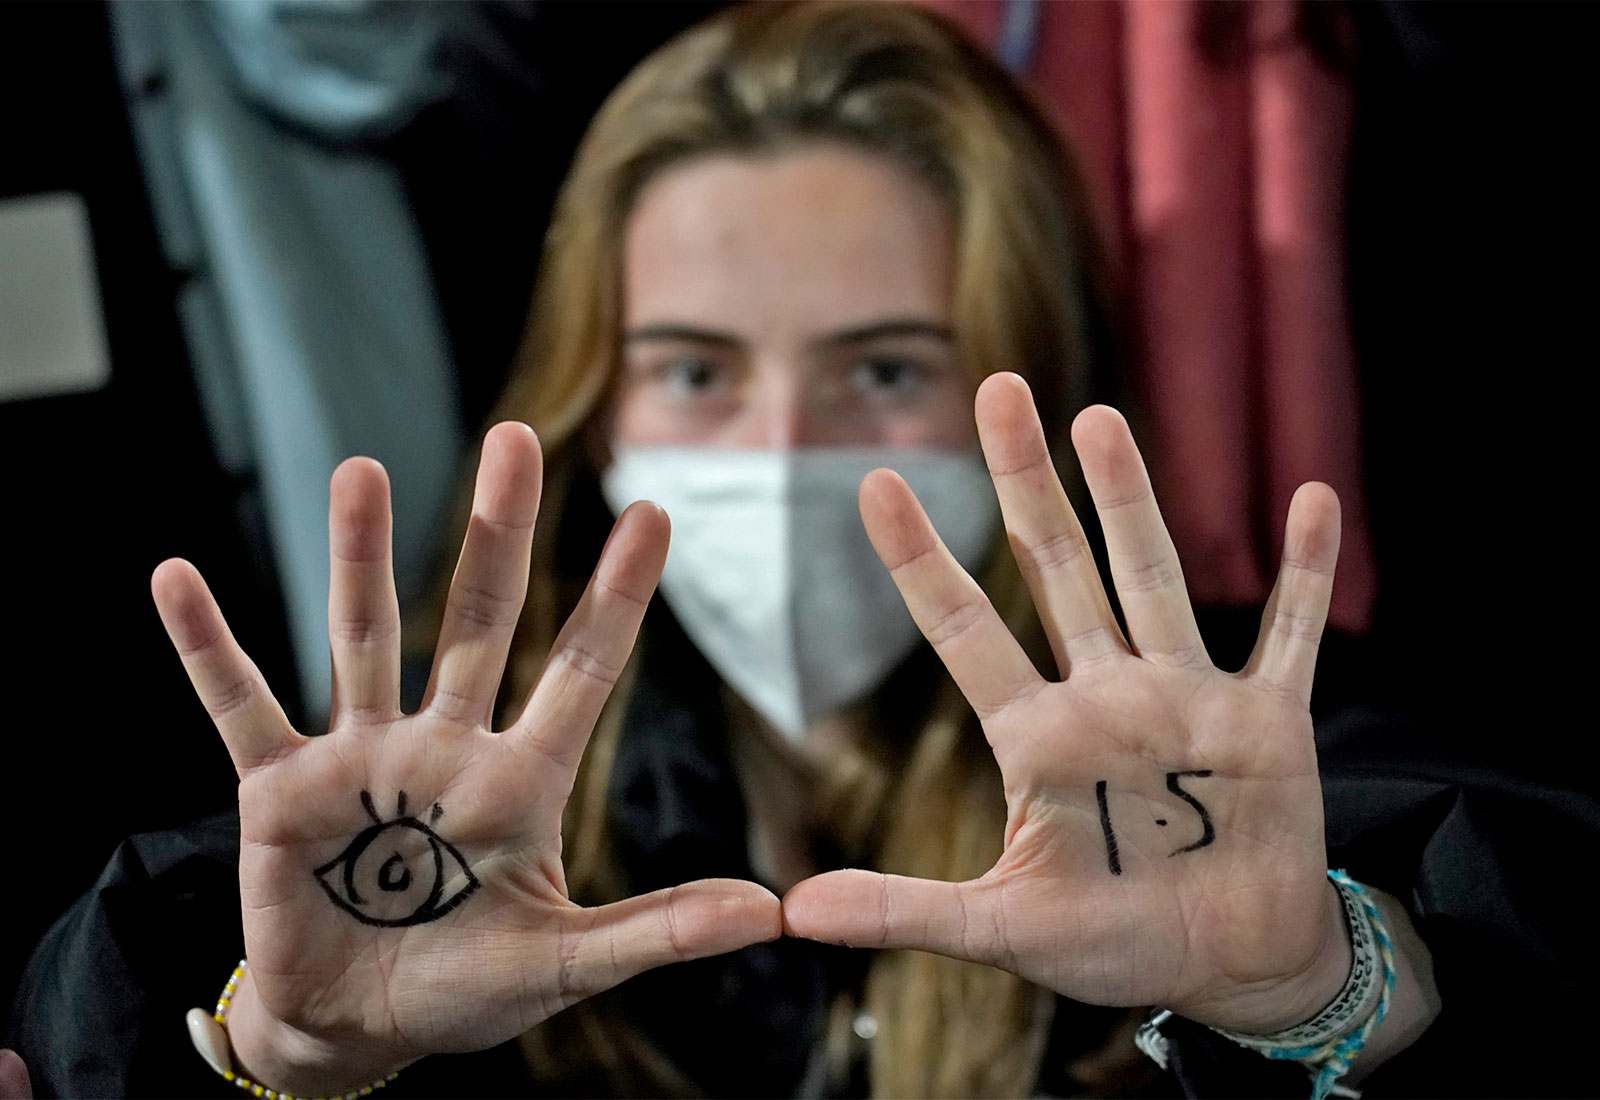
1326,1044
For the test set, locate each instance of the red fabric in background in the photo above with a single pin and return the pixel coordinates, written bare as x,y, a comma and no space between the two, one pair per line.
1220,191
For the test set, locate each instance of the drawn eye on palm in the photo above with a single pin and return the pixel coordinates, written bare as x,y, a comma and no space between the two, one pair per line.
399,872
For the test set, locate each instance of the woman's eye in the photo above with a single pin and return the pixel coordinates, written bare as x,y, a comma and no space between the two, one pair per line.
889,373
397,873
691,374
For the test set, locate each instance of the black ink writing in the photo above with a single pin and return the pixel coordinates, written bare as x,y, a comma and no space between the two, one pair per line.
1208,833
419,875
388,879
1105,828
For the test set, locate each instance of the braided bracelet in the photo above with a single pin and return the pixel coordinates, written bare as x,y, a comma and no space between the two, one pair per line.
209,1033
1327,1043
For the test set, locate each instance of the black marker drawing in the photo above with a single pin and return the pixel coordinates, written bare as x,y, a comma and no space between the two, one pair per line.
389,881
1105,827
394,873
1208,832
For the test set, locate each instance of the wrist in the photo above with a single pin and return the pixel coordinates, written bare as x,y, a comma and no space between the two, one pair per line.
1301,996
1297,996
292,1061
1329,1042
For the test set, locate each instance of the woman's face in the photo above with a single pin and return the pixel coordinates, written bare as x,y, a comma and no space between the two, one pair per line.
796,300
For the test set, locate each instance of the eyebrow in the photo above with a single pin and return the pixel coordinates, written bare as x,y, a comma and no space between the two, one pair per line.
683,333
877,330
860,334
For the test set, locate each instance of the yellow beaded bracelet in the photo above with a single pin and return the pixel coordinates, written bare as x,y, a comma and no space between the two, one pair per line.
209,1033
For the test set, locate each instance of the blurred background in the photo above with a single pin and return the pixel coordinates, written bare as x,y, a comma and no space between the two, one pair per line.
240,241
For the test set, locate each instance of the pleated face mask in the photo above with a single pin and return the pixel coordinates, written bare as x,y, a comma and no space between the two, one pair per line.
770,571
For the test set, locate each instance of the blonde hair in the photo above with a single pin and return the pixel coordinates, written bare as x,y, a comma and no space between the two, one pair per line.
897,81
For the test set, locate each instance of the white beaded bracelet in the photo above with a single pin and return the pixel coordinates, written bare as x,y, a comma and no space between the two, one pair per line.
209,1033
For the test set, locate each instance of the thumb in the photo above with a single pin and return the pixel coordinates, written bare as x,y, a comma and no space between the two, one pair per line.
867,909
706,917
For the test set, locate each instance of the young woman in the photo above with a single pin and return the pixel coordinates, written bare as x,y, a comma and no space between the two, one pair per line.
798,248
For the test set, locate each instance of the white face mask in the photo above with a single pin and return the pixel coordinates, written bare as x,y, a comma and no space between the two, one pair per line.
770,571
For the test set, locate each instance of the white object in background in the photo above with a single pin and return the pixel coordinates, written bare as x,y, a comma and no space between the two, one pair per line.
52,331
311,317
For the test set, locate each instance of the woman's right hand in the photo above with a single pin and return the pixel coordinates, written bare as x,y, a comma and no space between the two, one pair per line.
401,876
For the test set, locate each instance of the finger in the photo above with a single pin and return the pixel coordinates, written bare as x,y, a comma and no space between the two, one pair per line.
1285,655
14,1083
1044,532
1144,564
868,909
706,917
594,644
363,611
491,578
252,724
950,609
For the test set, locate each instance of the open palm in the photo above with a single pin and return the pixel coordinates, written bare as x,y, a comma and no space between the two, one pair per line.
1164,838
401,876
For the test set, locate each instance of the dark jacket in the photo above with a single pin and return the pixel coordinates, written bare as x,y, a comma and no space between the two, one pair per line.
1485,863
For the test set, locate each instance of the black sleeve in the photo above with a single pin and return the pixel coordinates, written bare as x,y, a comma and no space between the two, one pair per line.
99,1010
1492,869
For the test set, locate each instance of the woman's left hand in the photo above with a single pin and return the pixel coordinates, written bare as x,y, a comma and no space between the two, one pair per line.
1164,841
